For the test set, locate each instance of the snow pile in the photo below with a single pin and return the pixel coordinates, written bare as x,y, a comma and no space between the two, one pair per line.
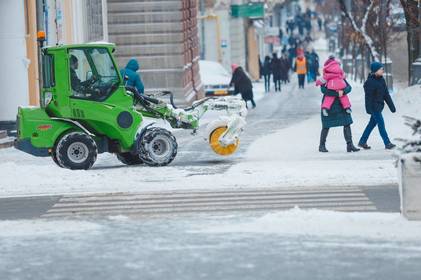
33,228
322,223
408,101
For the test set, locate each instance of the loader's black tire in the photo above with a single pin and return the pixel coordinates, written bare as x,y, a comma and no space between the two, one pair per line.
54,157
76,150
157,147
129,158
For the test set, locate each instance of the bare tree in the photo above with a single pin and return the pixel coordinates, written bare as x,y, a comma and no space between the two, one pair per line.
413,27
359,24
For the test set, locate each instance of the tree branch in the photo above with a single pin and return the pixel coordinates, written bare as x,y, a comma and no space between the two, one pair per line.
362,31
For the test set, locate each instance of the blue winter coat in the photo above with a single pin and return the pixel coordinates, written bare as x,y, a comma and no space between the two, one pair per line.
376,94
337,115
133,77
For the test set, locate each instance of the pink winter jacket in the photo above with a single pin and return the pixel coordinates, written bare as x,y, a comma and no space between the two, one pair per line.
333,76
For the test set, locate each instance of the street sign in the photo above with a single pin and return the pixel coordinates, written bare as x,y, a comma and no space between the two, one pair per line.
251,10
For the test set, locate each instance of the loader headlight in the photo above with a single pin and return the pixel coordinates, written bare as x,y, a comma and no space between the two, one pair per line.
48,96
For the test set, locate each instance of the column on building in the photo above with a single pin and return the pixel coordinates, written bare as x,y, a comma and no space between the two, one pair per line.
14,62
164,39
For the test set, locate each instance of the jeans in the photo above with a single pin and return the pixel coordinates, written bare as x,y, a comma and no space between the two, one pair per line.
376,119
301,79
267,83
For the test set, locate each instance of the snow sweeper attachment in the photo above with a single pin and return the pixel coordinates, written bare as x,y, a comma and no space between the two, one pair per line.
87,109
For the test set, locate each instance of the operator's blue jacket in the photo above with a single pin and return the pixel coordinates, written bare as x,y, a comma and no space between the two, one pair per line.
134,79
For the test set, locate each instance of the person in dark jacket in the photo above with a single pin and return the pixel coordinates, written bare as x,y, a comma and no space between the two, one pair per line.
313,65
78,87
242,84
285,67
266,72
133,78
376,94
276,71
337,117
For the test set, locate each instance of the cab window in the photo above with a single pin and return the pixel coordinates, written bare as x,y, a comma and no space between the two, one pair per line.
92,73
48,71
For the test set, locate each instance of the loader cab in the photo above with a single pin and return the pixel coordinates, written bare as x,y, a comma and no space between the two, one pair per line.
77,72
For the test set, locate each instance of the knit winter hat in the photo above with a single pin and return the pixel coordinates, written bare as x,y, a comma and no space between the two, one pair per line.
375,66
234,67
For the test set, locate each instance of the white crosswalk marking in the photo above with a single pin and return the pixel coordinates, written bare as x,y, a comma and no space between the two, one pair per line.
154,203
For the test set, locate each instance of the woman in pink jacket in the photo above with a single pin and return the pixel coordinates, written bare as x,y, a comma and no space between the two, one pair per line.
334,79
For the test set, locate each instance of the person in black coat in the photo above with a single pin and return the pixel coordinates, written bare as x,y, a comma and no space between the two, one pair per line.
266,72
276,71
285,67
242,84
376,94
337,117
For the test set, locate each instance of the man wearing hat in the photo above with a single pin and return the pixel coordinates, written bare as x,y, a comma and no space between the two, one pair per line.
376,94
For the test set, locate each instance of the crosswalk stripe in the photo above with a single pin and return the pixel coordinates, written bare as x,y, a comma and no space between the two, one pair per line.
337,207
152,203
240,204
168,200
176,195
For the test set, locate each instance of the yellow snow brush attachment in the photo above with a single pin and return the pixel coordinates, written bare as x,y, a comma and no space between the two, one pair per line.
216,145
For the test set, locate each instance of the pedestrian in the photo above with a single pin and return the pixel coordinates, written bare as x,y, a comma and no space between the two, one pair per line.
291,55
285,67
260,67
337,117
276,71
314,70
334,79
300,67
309,66
266,72
319,23
242,84
376,94
133,79
307,25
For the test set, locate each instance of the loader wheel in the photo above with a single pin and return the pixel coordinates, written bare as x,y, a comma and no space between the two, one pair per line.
158,147
217,147
54,157
129,158
76,150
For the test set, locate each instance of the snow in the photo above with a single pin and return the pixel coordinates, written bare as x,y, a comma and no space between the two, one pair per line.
286,158
213,73
293,222
35,228
326,224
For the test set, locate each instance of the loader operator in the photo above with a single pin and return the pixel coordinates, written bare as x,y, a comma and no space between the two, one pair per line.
78,86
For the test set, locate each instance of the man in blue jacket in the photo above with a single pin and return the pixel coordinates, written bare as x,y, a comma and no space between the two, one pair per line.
133,78
376,94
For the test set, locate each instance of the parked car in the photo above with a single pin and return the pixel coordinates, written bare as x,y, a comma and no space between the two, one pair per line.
215,78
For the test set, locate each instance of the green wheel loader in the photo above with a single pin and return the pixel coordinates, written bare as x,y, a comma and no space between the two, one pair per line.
86,109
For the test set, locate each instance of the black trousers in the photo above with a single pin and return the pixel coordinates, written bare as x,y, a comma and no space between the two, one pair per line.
277,83
347,135
252,103
301,79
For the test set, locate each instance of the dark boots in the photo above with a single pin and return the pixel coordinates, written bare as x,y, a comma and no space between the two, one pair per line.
323,136
348,138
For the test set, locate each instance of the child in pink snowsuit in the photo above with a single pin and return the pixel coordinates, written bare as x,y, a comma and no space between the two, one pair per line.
333,79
